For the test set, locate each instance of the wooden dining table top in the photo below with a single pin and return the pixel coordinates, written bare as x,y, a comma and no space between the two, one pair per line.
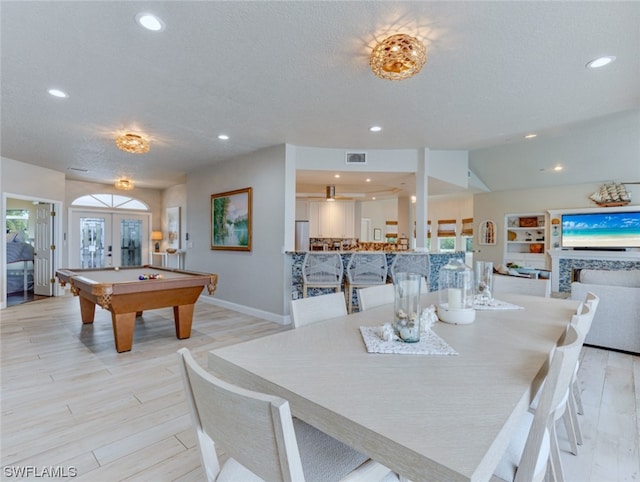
427,417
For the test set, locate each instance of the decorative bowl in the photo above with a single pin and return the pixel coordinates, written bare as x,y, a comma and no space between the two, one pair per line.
171,250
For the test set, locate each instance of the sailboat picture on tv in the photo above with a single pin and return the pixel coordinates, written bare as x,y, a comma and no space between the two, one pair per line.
617,230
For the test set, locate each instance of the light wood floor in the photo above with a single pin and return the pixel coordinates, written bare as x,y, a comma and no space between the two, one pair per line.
69,400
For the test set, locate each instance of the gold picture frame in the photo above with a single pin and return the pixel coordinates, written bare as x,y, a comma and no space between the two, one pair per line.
231,220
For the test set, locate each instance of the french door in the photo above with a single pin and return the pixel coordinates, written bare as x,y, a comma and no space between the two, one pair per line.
99,239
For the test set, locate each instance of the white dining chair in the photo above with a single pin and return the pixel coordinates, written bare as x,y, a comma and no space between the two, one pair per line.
262,440
521,285
592,300
375,296
317,308
364,270
532,452
322,270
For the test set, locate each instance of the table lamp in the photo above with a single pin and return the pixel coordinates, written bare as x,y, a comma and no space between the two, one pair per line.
156,236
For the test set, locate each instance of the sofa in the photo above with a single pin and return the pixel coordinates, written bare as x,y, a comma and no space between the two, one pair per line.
616,324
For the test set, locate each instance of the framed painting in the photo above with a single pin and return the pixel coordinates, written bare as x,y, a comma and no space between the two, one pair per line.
173,227
231,220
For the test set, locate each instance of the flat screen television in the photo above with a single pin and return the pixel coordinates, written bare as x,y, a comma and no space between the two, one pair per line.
615,230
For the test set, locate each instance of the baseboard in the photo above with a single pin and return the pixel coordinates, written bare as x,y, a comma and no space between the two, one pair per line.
247,310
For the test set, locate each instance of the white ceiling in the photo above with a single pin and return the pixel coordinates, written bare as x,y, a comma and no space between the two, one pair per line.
273,72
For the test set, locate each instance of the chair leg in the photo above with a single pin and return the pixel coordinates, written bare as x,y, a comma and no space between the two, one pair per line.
570,429
577,396
573,412
554,455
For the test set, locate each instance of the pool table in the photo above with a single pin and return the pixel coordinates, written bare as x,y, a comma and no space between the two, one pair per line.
125,295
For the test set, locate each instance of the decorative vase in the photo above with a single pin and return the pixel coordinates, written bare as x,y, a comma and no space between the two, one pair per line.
407,306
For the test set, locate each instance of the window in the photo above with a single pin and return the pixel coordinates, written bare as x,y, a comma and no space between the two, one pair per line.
467,234
111,201
17,220
446,235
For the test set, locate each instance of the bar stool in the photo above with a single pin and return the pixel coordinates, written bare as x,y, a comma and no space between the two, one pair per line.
363,270
322,270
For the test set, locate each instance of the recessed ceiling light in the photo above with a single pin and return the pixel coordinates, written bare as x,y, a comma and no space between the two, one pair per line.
375,128
368,180
531,136
58,93
337,176
558,168
223,137
373,198
600,62
150,22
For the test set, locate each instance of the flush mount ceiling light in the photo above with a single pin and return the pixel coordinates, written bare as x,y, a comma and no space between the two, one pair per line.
331,193
124,184
132,143
150,22
398,57
600,62
58,93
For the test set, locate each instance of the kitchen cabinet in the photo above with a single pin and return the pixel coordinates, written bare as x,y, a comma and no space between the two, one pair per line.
332,219
525,240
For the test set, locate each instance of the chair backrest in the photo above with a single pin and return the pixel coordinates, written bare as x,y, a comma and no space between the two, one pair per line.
254,429
556,385
322,267
585,313
317,308
410,263
375,296
522,286
367,268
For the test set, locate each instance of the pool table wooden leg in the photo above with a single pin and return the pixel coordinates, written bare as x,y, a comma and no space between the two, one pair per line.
183,317
123,327
87,310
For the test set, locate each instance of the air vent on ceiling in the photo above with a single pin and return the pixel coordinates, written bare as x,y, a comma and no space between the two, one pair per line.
356,158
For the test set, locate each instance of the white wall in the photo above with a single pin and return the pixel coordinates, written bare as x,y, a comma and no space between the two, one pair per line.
248,281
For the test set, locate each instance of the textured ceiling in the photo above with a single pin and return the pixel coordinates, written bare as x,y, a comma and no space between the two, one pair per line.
268,73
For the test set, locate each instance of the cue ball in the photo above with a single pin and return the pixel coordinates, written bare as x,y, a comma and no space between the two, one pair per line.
116,269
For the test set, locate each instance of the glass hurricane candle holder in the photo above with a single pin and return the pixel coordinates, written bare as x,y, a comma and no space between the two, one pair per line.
456,293
407,306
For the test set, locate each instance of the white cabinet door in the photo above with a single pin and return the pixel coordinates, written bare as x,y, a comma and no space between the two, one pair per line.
331,219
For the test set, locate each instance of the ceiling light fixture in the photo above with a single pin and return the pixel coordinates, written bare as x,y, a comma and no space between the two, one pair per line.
375,128
600,62
150,22
531,136
398,57
331,193
58,93
223,137
124,184
133,143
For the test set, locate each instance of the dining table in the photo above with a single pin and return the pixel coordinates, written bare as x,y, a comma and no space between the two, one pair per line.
428,417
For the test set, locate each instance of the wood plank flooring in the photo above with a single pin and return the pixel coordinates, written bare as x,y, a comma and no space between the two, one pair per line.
70,402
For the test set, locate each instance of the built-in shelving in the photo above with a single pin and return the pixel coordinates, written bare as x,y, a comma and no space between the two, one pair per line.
525,240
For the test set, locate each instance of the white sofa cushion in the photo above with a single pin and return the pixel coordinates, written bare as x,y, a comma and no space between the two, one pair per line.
630,278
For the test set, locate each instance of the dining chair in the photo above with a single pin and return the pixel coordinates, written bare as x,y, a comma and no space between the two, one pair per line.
317,308
592,300
364,270
410,263
262,440
521,285
532,453
322,270
375,296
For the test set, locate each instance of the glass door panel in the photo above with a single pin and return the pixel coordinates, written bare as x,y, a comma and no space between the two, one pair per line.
92,242
130,242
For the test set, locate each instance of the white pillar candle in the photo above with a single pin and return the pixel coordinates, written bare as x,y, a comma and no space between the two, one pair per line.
454,296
